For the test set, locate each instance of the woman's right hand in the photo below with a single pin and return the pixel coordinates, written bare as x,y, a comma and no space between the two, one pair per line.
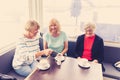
44,52
48,51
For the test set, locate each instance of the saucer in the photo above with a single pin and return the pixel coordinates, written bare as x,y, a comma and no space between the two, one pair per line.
47,66
87,66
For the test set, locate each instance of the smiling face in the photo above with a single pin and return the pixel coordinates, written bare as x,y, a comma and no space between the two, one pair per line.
89,31
54,26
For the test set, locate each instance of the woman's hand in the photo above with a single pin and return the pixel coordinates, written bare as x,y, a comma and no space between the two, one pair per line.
44,52
48,51
79,58
95,61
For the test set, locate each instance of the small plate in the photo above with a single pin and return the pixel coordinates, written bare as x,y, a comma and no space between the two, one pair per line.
87,66
44,68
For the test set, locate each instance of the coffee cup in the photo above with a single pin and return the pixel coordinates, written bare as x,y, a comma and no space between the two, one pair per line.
58,59
43,63
58,62
84,61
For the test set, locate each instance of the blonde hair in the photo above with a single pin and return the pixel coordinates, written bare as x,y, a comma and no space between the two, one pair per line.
90,25
30,24
54,22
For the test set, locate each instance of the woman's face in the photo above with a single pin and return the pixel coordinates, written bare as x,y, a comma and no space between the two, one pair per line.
89,31
34,31
53,28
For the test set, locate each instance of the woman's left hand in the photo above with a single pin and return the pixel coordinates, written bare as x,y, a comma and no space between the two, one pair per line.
95,61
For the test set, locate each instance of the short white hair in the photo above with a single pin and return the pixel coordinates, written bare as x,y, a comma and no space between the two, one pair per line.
90,25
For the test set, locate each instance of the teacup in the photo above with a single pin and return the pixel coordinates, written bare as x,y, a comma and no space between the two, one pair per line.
83,61
43,63
58,59
58,62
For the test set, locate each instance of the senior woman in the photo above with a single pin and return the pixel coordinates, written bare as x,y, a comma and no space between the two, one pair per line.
56,39
90,45
27,50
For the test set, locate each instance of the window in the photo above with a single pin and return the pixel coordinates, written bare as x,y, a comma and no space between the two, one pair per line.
72,14
13,15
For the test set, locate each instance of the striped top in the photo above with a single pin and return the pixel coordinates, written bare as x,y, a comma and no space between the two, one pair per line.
25,51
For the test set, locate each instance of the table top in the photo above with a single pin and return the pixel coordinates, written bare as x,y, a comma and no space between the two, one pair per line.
68,70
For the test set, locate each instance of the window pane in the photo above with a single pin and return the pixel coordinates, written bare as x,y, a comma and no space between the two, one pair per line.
72,14
13,14
60,10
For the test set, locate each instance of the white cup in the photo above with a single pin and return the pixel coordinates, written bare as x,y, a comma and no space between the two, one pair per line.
43,63
58,59
84,61
58,62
